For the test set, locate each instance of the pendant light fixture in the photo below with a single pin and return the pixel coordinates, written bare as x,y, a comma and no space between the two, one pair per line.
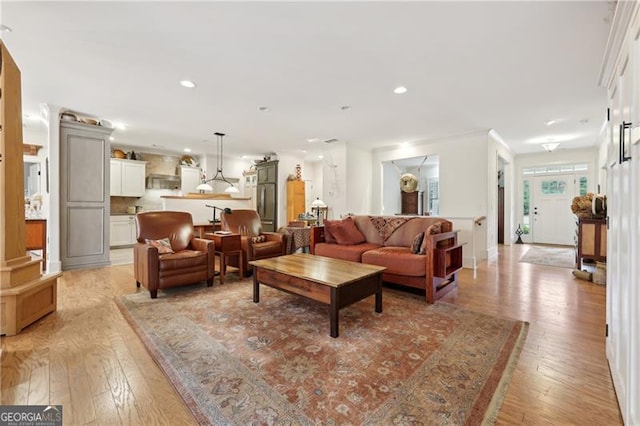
219,176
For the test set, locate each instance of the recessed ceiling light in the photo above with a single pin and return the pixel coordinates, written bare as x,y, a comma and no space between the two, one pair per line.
111,138
187,150
188,84
119,125
321,156
312,140
263,109
400,90
5,29
550,122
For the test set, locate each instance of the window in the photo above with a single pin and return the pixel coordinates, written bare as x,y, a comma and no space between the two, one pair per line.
582,182
553,187
526,196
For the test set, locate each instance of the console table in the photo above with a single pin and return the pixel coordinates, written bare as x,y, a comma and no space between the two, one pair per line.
227,245
592,240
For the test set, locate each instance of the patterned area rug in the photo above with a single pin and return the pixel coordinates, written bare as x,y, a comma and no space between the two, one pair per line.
237,362
550,256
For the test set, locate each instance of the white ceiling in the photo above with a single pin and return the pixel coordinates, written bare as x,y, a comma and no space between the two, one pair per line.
508,66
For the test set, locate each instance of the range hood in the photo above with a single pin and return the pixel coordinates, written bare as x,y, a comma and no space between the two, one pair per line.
158,181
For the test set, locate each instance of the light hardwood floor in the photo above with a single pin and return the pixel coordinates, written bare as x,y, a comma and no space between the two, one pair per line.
87,358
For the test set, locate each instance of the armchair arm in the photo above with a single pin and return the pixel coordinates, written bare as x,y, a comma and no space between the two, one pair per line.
274,236
280,238
317,236
146,264
202,244
206,246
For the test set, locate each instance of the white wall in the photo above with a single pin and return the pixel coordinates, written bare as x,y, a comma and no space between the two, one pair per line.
462,176
391,198
334,179
312,175
359,185
286,166
497,152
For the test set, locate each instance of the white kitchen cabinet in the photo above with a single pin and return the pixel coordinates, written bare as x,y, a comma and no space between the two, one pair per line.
189,179
122,230
127,178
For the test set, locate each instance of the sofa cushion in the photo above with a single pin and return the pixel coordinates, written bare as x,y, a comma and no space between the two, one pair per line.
344,232
183,259
344,252
397,260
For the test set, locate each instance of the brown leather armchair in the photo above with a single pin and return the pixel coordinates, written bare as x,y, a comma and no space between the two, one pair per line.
193,259
247,224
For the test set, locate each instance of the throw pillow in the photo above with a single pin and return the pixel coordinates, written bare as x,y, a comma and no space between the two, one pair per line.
417,243
346,233
258,239
163,245
436,228
329,225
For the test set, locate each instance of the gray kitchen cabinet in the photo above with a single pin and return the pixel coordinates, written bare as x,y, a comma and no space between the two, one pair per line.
267,194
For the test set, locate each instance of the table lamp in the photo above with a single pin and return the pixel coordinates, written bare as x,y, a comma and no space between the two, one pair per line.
317,204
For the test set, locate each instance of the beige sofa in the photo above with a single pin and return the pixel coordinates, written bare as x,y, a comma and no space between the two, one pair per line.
391,241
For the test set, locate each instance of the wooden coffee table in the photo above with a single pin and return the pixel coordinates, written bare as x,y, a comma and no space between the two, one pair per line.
337,283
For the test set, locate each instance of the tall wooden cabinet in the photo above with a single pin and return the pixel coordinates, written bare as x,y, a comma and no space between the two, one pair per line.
84,195
295,199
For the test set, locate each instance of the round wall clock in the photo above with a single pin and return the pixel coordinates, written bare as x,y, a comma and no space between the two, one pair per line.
408,182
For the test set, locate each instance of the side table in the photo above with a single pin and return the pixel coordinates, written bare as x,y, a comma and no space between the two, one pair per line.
227,245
